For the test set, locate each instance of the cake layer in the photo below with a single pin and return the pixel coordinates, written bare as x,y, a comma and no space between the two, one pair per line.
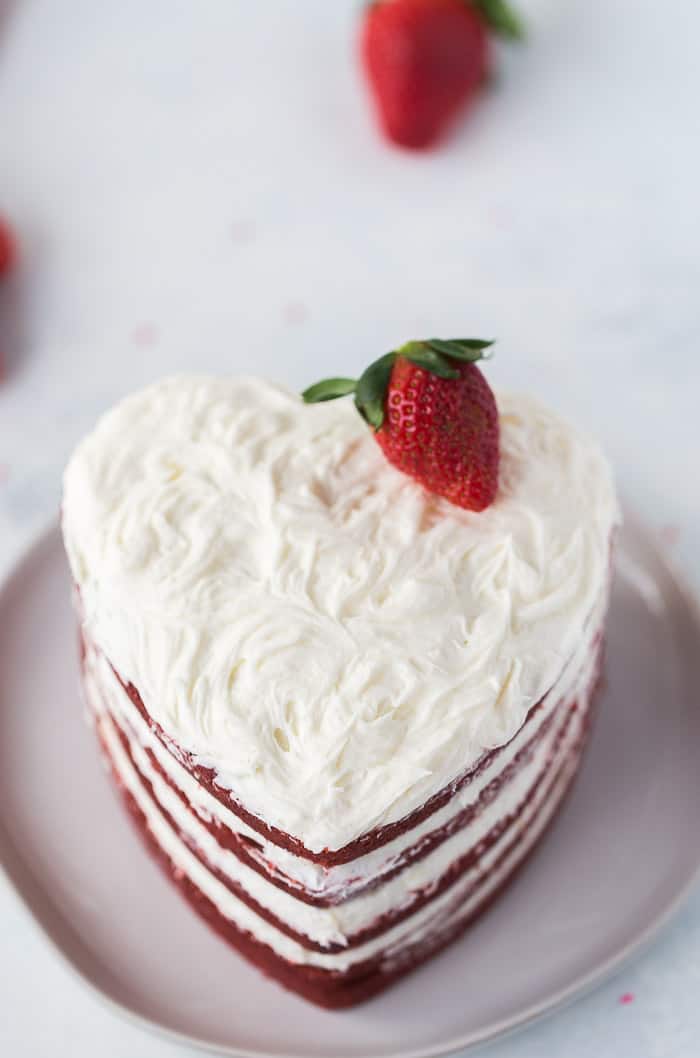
360,918
492,795
325,885
478,817
319,635
344,985
379,911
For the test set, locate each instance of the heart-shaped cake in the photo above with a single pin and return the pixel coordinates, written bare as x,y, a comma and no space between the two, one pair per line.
342,708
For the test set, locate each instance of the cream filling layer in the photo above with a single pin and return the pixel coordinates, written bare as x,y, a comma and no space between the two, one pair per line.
406,932
447,919
331,926
335,925
342,881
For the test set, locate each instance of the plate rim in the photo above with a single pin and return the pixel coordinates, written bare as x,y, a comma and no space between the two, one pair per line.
20,880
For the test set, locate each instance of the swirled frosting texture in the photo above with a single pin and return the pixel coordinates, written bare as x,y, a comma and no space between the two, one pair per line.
336,642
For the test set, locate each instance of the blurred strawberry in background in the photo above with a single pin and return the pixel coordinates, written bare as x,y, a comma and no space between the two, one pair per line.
8,250
426,60
8,308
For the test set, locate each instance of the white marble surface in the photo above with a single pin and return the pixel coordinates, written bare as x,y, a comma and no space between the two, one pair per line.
199,186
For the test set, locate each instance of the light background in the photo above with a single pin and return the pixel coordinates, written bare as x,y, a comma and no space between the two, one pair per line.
199,186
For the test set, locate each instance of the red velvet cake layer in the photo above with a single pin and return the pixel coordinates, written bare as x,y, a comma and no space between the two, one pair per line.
206,777
453,871
338,989
240,845
420,898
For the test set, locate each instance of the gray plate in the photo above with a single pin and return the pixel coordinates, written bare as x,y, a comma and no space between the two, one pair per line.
619,860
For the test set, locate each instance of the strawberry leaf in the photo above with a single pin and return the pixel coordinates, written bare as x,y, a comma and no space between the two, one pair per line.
371,390
372,411
501,18
477,344
431,360
468,350
329,389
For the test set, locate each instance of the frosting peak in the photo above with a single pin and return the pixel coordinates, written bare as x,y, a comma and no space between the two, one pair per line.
336,642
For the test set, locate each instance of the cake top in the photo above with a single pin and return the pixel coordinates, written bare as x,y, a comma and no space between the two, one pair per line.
338,643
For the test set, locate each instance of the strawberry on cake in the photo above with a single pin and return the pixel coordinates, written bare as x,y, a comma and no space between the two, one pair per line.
342,685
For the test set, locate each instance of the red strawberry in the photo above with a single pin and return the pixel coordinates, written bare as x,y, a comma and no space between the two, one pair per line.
425,60
434,416
7,248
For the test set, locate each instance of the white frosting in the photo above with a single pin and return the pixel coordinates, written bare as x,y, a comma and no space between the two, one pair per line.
336,642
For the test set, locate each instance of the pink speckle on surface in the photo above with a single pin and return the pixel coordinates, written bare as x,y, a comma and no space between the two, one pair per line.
243,231
670,534
295,313
626,998
144,334
4,473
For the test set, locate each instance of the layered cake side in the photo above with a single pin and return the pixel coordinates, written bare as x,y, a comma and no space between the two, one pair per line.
341,709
